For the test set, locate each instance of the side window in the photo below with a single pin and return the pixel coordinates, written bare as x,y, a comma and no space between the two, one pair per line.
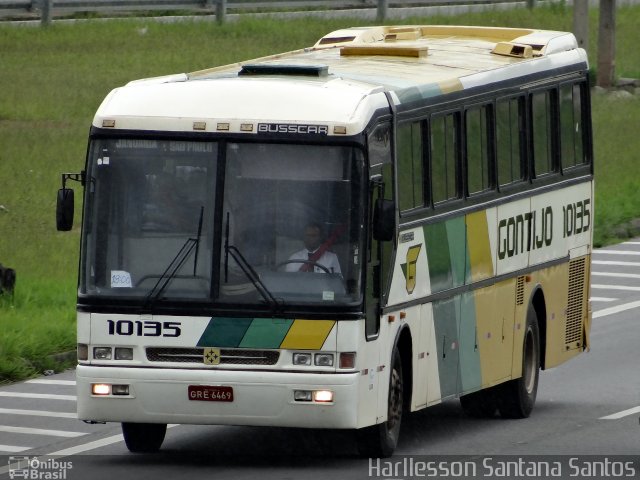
410,176
443,155
509,140
542,114
477,137
571,127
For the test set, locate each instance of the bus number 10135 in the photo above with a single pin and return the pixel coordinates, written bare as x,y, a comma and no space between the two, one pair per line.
144,328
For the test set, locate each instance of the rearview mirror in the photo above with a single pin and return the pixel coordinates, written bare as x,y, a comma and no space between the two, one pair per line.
384,220
64,210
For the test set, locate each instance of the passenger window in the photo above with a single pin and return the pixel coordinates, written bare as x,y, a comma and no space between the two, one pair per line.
509,140
478,150
542,109
410,176
443,155
571,127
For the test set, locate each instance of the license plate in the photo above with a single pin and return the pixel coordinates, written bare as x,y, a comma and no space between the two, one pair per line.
210,394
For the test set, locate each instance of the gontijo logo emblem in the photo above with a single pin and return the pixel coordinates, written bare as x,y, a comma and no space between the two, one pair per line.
212,356
410,269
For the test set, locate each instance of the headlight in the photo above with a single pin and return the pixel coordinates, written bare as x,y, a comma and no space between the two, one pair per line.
102,353
124,353
302,359
323,359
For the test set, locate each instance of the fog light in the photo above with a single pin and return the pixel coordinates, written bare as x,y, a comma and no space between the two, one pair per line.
302,359
323,396
120,389
100,389
347,360
83,351
122,353
324,359
302,395
102,353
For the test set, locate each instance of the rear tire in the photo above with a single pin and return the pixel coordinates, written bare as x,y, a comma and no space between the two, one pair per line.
517,397
144,437
379,441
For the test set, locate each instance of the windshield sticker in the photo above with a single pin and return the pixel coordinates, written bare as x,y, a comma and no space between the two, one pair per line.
120,279
328,296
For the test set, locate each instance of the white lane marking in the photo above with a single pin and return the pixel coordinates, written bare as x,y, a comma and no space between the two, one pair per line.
103,442
617,252
46,396
631,243
44,381
40,431
624,413
617,309
602,299
13,449
616,275
37,413
616,287
622,264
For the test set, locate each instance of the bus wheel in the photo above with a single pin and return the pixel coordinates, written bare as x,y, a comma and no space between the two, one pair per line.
481,404
144,437
518,396
379,441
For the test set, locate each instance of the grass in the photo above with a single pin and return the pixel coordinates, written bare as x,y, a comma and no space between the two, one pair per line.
53,80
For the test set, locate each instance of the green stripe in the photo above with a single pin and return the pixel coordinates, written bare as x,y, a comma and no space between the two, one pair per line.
445,321
224,332
266,333
470,367
446,254
438,257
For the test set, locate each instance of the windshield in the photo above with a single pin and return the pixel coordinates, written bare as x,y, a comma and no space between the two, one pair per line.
283,227
144,201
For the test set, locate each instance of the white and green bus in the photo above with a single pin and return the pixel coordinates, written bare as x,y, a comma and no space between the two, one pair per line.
337,236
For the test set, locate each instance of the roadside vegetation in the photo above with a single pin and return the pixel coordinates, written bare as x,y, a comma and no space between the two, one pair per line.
53,79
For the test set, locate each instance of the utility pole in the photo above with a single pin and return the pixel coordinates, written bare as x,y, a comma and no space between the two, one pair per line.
607,43
581,22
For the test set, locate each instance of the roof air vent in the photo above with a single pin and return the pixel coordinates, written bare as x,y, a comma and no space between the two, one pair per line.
276,69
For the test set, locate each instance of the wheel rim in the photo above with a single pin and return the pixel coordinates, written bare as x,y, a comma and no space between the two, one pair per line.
530,361
395,399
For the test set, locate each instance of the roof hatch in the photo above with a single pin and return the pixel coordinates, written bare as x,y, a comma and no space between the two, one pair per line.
283,69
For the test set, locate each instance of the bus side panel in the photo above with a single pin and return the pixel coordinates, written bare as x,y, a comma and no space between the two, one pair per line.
351,338
496,307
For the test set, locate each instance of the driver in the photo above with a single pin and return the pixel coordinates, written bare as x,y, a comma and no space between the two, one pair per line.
315,252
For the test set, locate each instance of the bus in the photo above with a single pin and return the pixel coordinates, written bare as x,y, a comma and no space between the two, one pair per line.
336,236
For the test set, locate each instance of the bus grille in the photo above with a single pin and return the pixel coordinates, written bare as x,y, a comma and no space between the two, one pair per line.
228,356
575,305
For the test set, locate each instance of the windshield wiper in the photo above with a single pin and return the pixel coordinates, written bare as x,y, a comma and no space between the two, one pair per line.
248,270
176,264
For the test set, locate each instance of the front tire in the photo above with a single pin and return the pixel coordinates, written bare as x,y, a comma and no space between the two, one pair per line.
517,397
144,437
379,441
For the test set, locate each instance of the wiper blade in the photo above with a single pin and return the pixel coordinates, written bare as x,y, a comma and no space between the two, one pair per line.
176,264
253,276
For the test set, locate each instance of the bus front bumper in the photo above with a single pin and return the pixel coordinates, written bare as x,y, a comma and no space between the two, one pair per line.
259,398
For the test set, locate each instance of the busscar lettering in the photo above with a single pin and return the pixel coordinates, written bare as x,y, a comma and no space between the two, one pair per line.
525,232
293,128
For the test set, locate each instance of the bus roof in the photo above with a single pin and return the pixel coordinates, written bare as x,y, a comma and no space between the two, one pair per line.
340,81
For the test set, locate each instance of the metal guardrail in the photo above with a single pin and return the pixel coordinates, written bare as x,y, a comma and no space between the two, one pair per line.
45,10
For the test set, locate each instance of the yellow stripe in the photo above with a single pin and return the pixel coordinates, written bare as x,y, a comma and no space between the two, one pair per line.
479,248
307,334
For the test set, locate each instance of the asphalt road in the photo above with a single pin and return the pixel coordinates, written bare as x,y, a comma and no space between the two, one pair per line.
587,412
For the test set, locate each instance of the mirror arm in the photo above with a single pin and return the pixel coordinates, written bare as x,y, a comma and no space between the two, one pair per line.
76,177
